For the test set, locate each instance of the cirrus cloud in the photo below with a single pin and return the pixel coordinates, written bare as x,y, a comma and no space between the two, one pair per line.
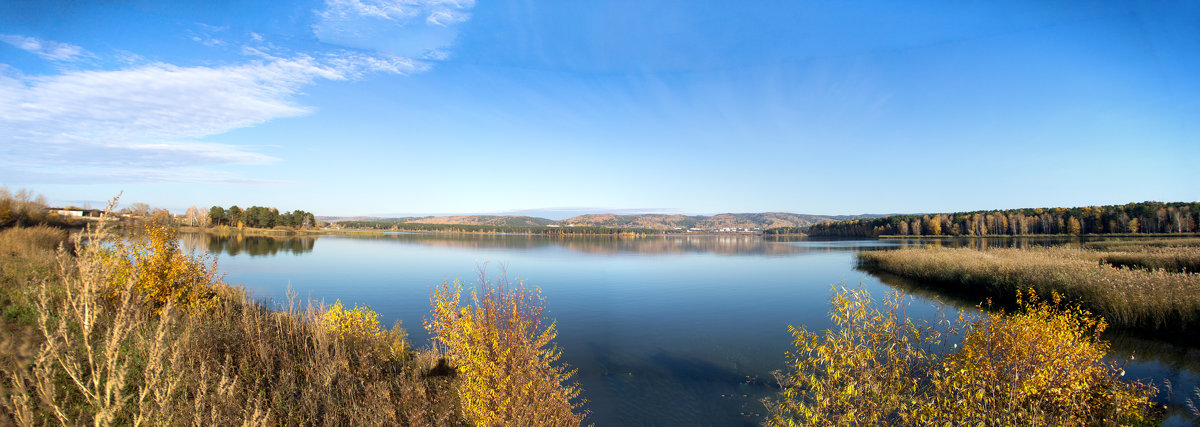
46,49
413,28
147,120
150,116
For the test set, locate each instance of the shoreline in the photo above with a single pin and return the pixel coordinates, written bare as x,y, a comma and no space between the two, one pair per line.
1009,236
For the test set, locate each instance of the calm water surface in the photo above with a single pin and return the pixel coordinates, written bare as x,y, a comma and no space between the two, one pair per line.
667,331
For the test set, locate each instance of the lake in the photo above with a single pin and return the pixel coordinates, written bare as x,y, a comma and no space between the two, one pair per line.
668,330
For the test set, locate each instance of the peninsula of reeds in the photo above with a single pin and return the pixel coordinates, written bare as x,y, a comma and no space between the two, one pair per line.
1139,286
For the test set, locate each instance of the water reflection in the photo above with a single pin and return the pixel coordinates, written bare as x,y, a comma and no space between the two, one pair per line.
991,242
664,330
729,245
738,245
250,245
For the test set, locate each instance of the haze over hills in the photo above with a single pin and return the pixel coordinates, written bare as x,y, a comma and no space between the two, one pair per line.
652,221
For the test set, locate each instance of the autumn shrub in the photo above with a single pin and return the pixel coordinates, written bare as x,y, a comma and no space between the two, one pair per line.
504,356
869,369
160,271
1042,365
361,325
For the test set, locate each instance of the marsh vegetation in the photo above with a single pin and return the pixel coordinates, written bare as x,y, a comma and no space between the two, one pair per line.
130,330
1147,290
168,339
1040,365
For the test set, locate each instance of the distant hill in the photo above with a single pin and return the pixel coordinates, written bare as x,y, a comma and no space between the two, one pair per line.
651,221
715,222
511,221
337,219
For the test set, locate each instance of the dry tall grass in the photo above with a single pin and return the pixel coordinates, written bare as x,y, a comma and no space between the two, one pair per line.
1141,244
19,241
103,352
27,255
1174,259
1042,365
1157,300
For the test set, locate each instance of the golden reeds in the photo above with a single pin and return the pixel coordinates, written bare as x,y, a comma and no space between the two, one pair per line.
1142,298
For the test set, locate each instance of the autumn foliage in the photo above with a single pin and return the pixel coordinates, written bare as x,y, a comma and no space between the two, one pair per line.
504,356
1042,365
361,325
160,271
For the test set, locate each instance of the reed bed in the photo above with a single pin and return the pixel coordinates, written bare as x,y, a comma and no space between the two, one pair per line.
1174,259
1157,300
36,240
1142,244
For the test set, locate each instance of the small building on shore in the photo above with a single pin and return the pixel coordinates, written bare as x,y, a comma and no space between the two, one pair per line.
72,212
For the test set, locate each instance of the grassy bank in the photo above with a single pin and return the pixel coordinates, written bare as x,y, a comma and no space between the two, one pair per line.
130,330
1143,290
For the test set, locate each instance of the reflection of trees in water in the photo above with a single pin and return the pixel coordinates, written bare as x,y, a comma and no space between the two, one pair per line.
990,243
731,244
250,245
665,245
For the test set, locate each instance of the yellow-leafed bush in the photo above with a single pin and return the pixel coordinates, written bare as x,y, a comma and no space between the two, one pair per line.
1043,365
504,357
867,369
361,325
161,271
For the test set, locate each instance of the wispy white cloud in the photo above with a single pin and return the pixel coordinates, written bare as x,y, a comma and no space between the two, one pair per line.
148,117
47,49
205,35
146,121
412,28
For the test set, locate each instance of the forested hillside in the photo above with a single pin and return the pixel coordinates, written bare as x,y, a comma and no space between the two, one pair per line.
1144,217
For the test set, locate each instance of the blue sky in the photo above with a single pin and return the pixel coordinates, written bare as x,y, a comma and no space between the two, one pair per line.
351,107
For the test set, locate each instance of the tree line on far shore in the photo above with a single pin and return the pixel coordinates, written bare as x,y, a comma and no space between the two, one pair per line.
257,217
498,229
1132,218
